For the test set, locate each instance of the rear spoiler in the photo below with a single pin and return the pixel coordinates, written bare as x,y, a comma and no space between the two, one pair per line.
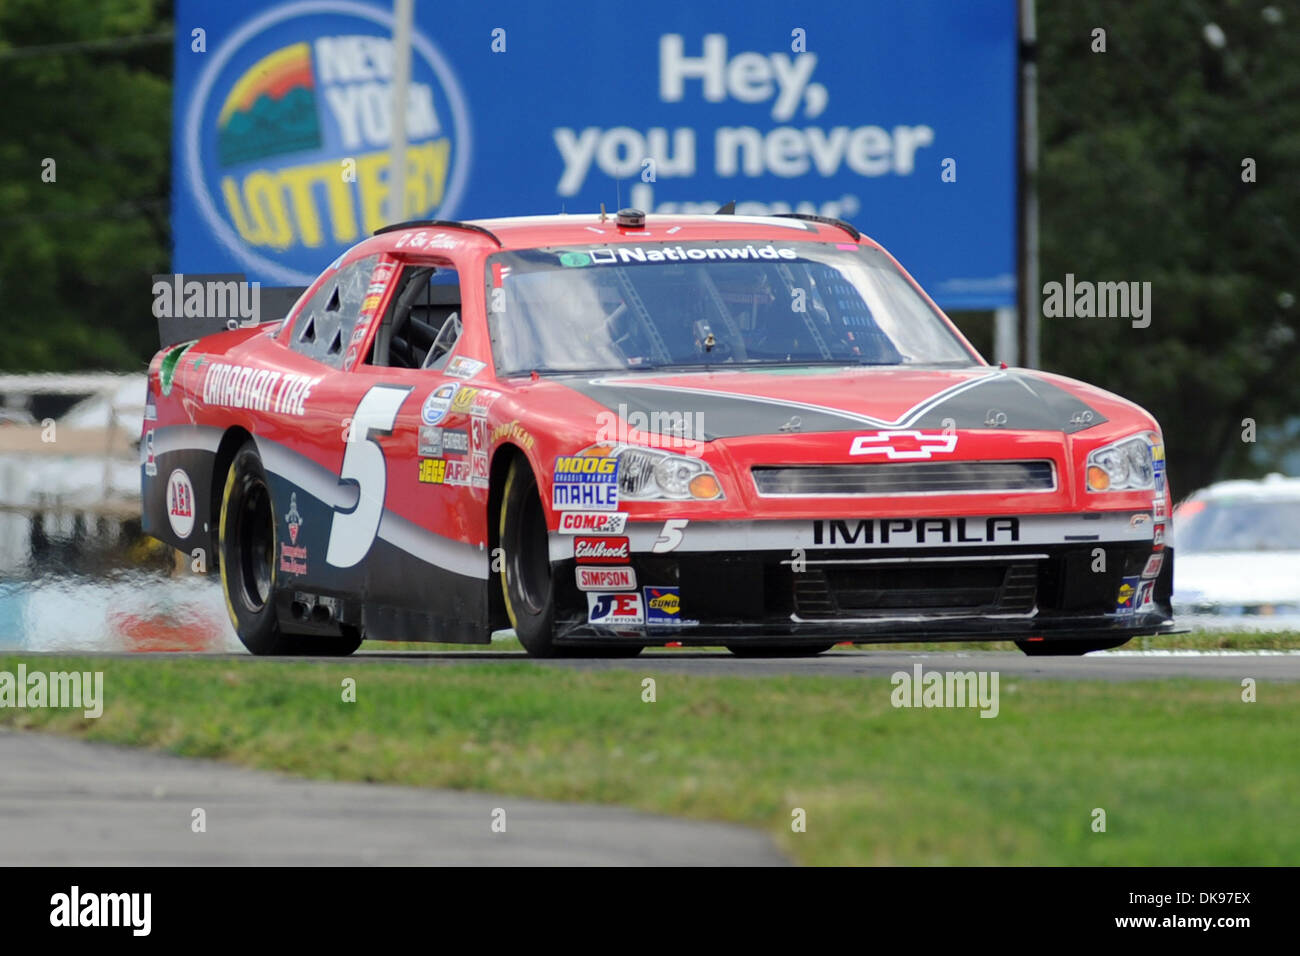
189,306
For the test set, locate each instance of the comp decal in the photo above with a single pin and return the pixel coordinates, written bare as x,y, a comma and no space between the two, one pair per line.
588,522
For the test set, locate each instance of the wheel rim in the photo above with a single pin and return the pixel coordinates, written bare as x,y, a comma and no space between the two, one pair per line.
531,561
256,539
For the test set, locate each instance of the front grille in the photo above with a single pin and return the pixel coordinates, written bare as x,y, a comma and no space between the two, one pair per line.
908,478
872,590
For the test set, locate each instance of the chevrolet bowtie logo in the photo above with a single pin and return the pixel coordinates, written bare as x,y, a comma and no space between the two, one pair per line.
903,446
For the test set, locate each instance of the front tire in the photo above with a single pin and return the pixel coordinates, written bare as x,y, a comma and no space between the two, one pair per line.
247,550
526,580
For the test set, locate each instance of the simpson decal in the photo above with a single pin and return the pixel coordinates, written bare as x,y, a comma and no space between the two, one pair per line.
621,578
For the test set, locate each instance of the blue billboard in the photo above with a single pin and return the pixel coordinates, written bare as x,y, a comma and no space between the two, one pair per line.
897,116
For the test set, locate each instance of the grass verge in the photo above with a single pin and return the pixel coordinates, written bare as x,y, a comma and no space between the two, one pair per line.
1186,772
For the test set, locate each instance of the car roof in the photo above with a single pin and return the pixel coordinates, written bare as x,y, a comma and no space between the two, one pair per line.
526,232
1274,487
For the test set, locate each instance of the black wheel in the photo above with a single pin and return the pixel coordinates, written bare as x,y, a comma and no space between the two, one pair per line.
1068,647
526,579
246,539
778,650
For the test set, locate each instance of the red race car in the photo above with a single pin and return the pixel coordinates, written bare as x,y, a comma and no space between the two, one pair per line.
608,432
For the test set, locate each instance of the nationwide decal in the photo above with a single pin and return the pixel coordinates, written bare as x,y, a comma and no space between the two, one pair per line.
257,389
663,605
915,531
585,481
180,503
585,522
284,136
437,404
462,367
626,255
602,550
620,608
905,445
621,578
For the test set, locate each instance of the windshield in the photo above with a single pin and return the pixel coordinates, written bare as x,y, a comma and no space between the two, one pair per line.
1246,525
698,304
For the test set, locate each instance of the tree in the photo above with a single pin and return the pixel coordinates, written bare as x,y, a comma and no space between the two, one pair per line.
83,201
1142,180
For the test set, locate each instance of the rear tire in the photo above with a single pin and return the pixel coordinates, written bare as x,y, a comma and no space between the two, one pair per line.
1067,647
526,580
247,545
778,650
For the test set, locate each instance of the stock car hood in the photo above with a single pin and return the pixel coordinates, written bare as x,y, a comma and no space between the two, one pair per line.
817,399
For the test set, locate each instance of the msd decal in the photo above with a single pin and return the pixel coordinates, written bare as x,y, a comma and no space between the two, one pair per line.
602,550
613,610
605,579
905,445
587,522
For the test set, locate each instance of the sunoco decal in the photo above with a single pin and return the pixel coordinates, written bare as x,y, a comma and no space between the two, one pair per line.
285,136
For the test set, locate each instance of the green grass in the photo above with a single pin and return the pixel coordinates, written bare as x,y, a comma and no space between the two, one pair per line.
1195,640
1186,772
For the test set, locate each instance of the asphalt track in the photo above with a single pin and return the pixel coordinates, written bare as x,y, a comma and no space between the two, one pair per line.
66,802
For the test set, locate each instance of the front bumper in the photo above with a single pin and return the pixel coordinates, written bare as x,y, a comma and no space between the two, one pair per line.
1077,589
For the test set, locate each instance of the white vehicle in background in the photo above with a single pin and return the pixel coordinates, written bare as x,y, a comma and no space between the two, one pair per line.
1238,547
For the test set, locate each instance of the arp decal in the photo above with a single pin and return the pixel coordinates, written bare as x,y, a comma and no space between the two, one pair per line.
585,481
585,522
602,550
619,608
435,407
905,445
180,503
444,471
620,578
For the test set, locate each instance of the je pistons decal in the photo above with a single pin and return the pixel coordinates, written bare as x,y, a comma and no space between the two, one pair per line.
622,608
585,481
